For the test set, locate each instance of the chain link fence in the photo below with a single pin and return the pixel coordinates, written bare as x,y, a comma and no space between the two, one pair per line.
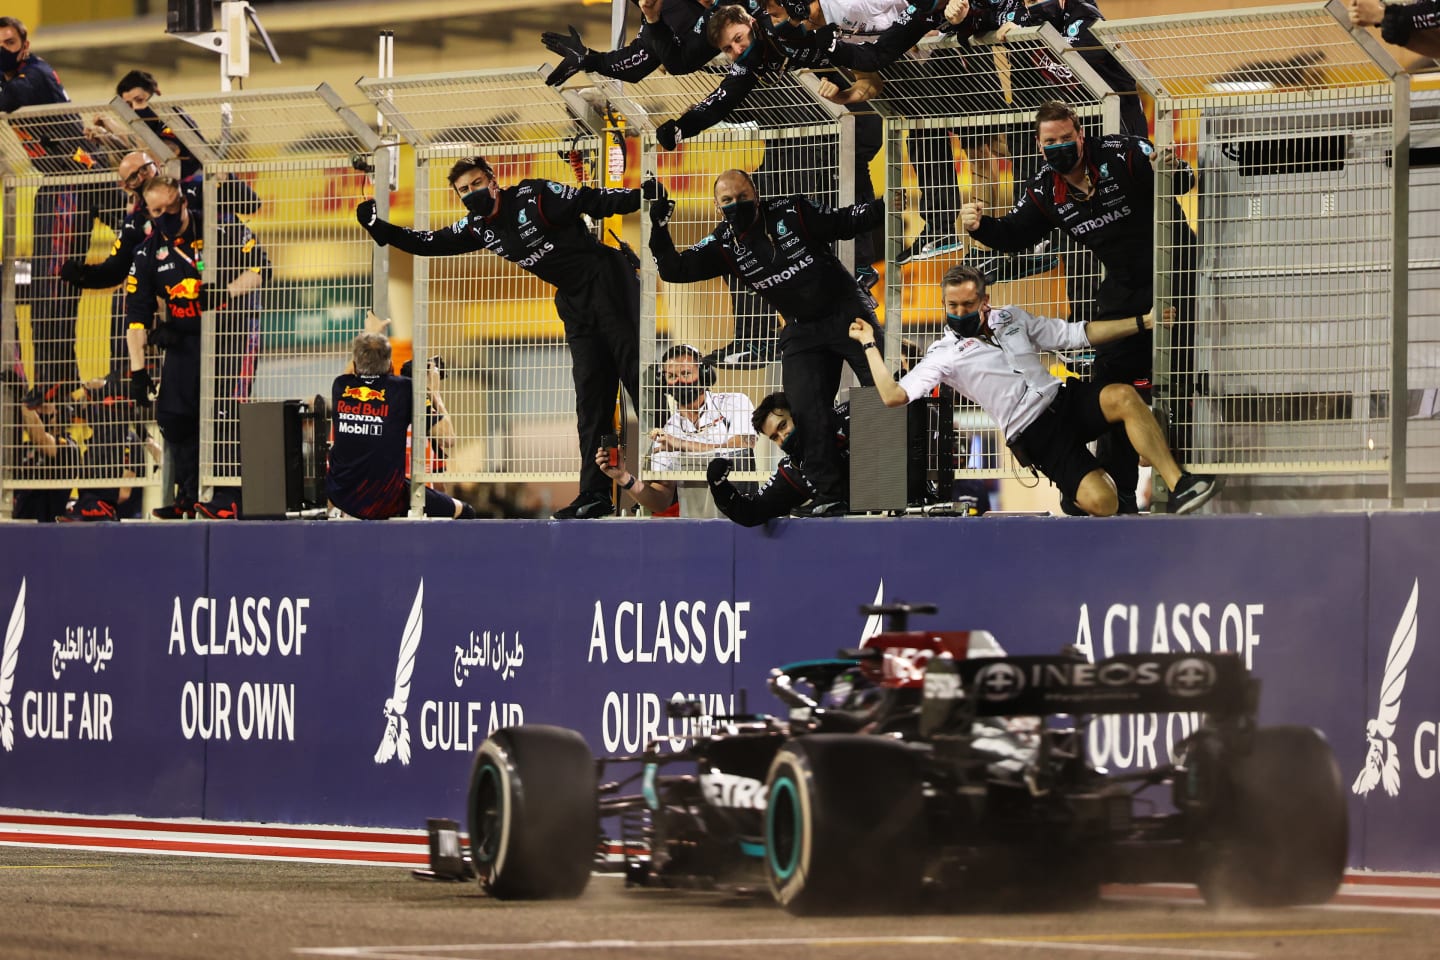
69,425
1280,361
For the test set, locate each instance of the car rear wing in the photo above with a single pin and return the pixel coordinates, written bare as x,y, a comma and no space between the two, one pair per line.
1211,683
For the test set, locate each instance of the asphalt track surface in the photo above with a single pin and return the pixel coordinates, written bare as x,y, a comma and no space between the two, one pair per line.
71,903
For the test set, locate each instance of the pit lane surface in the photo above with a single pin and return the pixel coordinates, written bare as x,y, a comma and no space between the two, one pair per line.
63,903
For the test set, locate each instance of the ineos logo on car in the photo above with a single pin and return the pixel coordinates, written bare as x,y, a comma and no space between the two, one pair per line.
1000,681
1190,677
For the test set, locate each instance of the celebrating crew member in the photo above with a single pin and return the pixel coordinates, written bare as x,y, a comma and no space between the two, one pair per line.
539,226
993,356
1102,193
780,248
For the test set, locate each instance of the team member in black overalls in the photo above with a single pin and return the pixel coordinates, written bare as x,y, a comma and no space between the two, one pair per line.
1102,193
781,249
171,269
538,226
672,35
370,411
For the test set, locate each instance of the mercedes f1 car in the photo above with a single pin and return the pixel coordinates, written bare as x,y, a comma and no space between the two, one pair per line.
921,765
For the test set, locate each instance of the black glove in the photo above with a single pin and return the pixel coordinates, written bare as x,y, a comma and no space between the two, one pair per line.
141,386
574,56
668,134
370,219
717,471
73,272
661,206
563,45
164,336
661,210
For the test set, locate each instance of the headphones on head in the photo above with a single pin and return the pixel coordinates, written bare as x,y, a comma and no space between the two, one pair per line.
707,371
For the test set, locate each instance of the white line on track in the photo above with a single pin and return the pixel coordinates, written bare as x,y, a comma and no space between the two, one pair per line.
461,951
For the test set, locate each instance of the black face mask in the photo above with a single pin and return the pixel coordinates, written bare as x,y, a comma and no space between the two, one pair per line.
1047,11
684,393
9,60
480,203
169,223
740,214
794,445
967,325
1062,157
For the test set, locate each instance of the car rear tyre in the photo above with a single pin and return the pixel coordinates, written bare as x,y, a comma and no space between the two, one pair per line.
533,819
1278,833
844,825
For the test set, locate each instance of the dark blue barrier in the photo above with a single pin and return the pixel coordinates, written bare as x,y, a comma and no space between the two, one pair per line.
345,672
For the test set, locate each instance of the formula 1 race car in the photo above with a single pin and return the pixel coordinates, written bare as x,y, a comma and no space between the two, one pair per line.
913,769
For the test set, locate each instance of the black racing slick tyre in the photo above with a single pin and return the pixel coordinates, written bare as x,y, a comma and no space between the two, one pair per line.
533,815
844,825
1279,832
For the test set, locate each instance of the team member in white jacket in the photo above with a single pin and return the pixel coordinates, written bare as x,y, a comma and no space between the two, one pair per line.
993,356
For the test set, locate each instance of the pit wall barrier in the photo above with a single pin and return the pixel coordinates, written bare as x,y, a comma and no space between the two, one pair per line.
345,673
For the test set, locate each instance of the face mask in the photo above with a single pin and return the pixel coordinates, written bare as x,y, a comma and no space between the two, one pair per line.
740,214
1046,10
684,393
168,224
967,325
9,60
1062,157
480,202
794,446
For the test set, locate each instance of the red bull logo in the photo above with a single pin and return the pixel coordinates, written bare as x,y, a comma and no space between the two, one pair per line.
364,394
187,289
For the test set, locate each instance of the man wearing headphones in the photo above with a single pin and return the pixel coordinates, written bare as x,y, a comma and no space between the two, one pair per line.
703,425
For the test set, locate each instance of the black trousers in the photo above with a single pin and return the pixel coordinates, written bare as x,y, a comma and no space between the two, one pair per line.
602,331
812,352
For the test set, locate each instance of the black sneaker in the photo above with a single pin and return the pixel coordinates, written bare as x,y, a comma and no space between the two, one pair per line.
927,246
1070,508
179,510
1192,492
588,506
225,506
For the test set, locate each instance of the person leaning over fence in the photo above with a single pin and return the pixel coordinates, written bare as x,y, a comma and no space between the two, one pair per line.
672,35
167,271
993,356
539,226
1101,191
1414,26
781,249
371,412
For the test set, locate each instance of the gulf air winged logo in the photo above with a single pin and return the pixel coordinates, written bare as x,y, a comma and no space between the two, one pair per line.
1382,761
9,657
875,623
396,741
